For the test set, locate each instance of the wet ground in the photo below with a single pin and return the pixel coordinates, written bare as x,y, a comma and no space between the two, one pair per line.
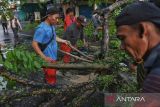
6,38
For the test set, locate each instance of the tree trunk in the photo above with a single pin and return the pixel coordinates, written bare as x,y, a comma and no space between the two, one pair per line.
105,39
77,66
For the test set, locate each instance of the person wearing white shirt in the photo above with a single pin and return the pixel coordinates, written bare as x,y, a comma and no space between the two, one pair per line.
16,26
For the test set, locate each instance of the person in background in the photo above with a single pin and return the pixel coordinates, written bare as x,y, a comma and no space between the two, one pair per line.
69,18
73,33
31,18
15,26
139,33
45,42
96,23
4,24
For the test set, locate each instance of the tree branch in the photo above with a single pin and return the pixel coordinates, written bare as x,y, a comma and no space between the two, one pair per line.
74,56
77,66
11,76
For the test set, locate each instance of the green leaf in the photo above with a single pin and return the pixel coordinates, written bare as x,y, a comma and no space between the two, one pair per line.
24,58
37,65
8,65
18,54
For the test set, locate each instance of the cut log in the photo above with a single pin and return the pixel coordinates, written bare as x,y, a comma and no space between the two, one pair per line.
77,66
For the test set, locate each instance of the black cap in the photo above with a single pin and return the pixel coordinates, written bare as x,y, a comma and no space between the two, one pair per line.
137,12
83,20
50,11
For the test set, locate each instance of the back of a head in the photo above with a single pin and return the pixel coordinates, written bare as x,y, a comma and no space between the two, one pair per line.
82,19
50,11
138,12
69,10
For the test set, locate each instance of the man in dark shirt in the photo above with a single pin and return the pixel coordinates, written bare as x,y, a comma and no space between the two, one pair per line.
138,28
73,33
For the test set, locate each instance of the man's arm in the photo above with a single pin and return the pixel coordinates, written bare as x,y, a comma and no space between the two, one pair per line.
9,24
19,24
61,40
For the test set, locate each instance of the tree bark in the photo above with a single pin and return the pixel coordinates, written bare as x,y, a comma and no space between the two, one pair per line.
14,77
69,93
88,57
105,39
77,66
74,56
6,97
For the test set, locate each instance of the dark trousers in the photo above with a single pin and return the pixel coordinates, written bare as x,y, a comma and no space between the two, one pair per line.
4,25
15,32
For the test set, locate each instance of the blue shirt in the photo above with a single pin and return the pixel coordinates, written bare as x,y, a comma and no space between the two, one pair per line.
43,34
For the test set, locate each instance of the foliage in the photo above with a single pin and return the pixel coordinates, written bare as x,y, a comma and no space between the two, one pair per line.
60,31
5,9
114,44
79,43
89,30
112,27
131,87
11,84
30,26
105,81
22,61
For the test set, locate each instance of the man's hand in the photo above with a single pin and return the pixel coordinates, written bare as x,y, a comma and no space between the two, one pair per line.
66,42
48,59
85,44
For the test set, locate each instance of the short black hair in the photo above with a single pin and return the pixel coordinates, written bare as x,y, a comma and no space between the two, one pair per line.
69,10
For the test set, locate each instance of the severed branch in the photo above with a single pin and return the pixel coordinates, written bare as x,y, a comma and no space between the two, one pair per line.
80,52
74,56
21,80
77,66
9,96
69,93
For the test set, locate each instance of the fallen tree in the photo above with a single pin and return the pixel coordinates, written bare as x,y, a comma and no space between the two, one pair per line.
21,80
57,96
82,66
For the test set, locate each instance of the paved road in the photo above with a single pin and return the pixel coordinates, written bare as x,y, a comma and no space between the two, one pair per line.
9,39
6,39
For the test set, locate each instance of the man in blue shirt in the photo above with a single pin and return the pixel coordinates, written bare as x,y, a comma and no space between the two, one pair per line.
45,36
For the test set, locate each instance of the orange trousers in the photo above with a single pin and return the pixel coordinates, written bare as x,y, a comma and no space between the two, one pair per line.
66,48
50,75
